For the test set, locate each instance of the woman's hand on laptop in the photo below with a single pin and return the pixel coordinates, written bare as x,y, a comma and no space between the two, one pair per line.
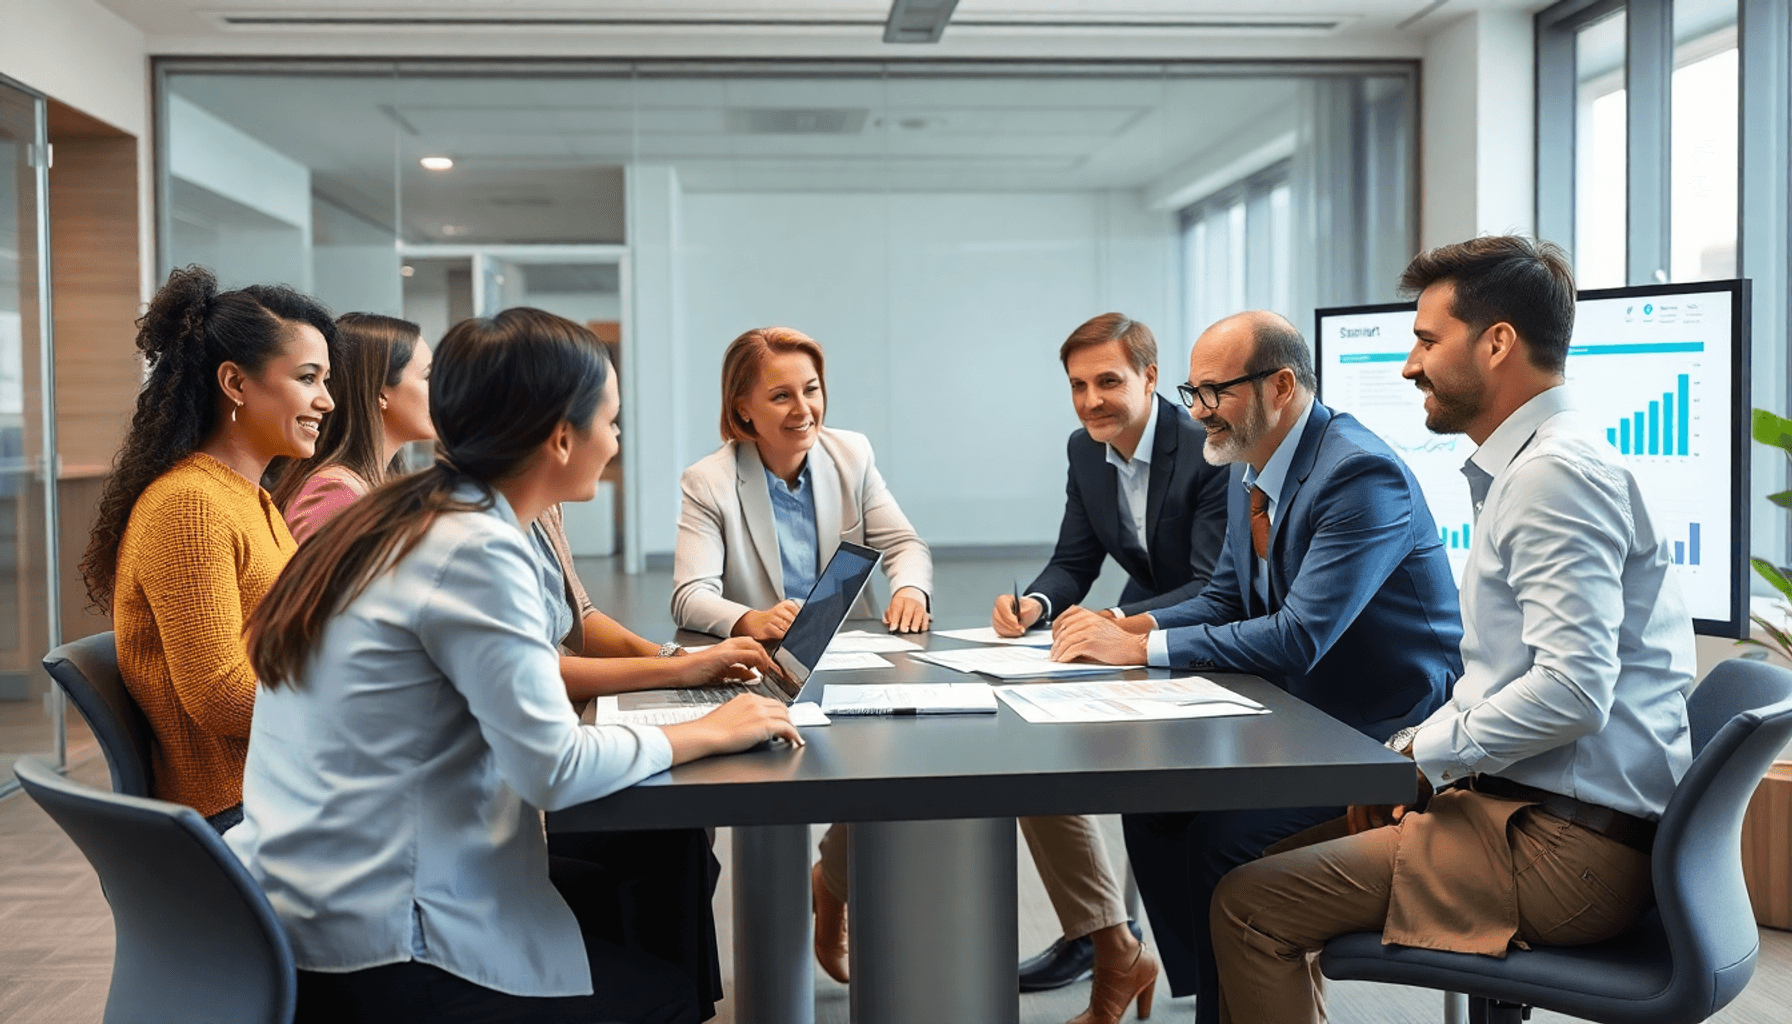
770,624
732,660
743,722
907,612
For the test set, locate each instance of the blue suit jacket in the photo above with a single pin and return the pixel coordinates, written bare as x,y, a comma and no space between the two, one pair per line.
1362,621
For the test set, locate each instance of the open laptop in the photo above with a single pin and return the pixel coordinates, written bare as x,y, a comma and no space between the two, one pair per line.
830,601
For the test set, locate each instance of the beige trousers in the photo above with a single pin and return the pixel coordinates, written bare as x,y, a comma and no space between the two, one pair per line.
1072,860
1270,917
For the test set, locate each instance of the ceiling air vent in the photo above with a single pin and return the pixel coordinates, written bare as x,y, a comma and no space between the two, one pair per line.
797,120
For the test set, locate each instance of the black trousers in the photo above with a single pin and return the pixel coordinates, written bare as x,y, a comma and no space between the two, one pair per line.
642,902
1178,859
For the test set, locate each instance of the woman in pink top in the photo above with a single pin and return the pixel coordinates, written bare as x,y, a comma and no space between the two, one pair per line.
380,382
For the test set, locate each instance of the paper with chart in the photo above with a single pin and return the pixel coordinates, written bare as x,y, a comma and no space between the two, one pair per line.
910,699
1016,663
1143,700
986,635
858,641
839,661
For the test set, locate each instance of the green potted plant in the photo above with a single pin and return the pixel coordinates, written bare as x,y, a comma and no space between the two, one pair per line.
1773,430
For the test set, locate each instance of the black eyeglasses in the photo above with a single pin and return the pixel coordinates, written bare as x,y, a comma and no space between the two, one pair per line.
1210,394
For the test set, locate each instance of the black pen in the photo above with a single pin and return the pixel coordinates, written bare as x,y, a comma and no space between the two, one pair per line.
1022,625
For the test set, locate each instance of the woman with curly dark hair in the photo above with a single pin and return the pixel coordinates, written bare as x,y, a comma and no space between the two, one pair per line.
186,542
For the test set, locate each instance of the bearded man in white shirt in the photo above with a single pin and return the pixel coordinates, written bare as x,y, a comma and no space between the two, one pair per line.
1567,732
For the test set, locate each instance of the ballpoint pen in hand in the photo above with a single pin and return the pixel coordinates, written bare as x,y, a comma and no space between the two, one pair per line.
1017,621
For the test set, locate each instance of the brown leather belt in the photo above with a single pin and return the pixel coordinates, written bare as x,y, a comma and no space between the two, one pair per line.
1634,832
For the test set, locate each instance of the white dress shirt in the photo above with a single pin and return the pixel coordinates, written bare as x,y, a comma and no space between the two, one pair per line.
1274,475
1577,649
1132,478
392,799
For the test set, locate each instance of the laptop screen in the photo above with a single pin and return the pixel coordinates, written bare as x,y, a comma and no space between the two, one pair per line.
829,603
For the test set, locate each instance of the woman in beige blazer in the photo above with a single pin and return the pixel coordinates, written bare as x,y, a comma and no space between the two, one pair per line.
764,513
777,461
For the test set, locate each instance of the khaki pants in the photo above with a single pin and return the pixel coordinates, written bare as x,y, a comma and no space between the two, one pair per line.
1072,860
1572,886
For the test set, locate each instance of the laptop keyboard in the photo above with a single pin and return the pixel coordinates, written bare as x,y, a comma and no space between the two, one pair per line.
710,696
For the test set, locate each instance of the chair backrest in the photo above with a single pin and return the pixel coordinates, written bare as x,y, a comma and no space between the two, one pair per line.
197,940
1741,718
87,671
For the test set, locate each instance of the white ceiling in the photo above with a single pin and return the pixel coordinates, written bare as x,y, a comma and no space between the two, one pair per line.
530,151
837,28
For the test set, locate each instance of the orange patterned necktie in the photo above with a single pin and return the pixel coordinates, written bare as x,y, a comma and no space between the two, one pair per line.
1260,522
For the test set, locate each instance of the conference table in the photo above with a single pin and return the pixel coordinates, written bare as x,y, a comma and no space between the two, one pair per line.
933,801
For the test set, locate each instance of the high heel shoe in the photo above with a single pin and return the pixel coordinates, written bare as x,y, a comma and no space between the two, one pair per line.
830,929
1115,988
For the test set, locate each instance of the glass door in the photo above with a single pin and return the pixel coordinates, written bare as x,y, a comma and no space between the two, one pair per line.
30,705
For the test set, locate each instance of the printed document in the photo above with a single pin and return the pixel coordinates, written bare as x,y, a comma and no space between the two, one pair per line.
858,641
1142,700
910,699
835,661
986,635
1016,663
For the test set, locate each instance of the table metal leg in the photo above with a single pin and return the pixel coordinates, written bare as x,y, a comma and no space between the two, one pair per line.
774,978
934,932
1455,1008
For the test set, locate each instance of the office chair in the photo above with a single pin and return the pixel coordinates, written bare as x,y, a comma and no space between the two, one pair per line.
1690,955
87,671
197,940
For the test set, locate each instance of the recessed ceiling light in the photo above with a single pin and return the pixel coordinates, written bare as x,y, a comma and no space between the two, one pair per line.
452,229
437,163
407,270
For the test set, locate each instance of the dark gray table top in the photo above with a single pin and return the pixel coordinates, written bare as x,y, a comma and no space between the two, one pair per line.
1000,765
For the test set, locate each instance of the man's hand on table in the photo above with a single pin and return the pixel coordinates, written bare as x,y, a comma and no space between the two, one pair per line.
1095,636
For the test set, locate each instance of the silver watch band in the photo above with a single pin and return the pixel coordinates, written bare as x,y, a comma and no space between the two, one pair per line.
669,648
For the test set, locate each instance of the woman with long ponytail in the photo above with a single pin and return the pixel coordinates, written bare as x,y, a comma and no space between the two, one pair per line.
413,723
186,542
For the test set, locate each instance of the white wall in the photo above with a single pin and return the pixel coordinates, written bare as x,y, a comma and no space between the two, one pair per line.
941,315
81,54
1478,139
354,263
239,206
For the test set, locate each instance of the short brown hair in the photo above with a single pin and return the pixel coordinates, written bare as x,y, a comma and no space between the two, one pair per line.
1141,345
1505,279
740,368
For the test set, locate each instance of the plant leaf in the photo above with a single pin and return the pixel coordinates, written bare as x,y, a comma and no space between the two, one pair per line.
1782,499
1772,429
1767,571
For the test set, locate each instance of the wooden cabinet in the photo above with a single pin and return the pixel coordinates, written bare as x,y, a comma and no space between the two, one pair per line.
1767,848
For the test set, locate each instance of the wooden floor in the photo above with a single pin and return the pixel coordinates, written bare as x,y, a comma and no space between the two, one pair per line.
56,934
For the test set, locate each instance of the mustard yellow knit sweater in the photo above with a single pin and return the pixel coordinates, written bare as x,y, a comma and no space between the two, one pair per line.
202,548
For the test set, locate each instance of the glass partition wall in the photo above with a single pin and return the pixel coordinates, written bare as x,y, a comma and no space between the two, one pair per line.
939,227
31,708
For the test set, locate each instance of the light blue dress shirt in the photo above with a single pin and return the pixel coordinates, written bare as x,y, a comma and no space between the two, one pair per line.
1577,649
392,799
1274,475
793,510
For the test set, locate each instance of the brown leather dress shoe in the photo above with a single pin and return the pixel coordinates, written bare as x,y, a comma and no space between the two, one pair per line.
1115,988
830,929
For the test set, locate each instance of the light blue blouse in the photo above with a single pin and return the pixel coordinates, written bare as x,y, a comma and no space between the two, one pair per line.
392,800
793,509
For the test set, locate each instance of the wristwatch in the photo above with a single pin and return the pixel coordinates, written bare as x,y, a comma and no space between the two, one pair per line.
1402,739
669,648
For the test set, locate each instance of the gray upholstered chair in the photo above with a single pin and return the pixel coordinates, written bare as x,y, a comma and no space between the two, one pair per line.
87,671
197,940
1693,953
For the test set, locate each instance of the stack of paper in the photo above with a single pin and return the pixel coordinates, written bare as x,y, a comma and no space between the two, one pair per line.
835,661
910,699
1132,701
1016,663
986,635
858,641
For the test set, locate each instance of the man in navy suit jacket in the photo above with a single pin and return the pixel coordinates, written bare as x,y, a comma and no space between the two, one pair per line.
1141,492
1333,584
